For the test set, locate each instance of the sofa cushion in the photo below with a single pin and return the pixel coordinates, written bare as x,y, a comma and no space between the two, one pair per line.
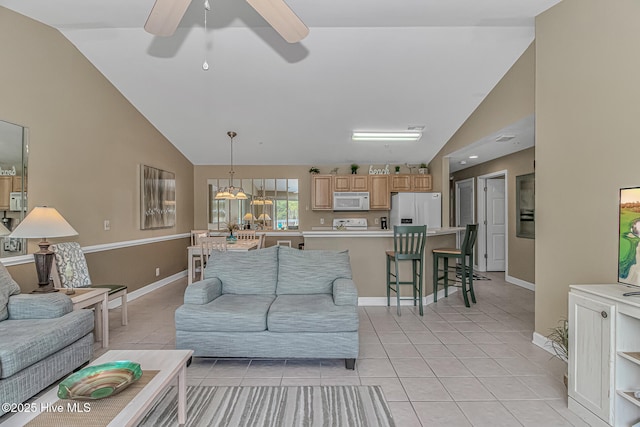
245,273
8,287
25,342
310,272
227,313
311,313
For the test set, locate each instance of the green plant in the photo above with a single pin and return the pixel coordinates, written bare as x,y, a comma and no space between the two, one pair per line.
232,226
314,170
559,339
423,165
354,168
397,168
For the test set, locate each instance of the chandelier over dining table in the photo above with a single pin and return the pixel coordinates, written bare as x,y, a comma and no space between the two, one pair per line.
230,192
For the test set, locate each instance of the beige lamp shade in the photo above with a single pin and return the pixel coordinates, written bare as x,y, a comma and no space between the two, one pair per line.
43,222
264,217
248,217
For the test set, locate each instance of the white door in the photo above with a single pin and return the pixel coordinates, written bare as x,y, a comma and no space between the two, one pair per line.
465,196
496,224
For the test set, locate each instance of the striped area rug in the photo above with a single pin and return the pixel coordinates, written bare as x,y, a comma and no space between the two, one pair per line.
275,406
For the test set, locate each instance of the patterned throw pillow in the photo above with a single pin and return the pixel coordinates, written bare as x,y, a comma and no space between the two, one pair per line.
8,287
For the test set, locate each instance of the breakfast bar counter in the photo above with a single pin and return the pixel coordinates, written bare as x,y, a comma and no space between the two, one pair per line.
368,259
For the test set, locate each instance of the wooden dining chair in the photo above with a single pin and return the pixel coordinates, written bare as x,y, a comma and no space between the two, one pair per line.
208,245
245,234
196,235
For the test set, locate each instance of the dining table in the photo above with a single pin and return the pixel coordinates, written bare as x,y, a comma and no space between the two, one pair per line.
240,245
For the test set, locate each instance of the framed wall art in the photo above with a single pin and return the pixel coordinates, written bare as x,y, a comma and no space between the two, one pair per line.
629,236
158,198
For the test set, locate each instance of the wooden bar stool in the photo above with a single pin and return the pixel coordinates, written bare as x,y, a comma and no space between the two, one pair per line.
465,256
408,245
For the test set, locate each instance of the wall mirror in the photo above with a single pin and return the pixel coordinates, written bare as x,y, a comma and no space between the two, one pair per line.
14,148
271,204
525,206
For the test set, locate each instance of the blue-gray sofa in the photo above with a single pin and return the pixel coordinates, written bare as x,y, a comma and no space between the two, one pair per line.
277,303
41,340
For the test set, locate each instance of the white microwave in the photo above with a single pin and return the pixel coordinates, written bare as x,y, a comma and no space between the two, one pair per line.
16,202
350,201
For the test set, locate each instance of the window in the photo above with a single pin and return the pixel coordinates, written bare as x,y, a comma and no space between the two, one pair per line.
272,204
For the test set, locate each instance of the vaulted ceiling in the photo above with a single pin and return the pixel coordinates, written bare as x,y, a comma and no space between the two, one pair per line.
366,65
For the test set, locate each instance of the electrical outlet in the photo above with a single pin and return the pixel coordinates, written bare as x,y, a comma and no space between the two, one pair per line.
321,221
107,225
157,271
375,221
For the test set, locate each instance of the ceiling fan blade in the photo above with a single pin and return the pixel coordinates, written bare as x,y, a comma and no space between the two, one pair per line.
165,16
280,16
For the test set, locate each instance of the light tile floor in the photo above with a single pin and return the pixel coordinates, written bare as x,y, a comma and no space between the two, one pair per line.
455,366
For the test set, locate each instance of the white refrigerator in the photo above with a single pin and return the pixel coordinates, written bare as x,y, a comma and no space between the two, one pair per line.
417,209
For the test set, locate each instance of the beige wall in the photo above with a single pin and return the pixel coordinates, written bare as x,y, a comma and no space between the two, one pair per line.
587,143
86,144
511,100
521,254
308,218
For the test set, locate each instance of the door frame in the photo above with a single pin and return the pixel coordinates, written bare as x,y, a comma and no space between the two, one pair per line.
481,253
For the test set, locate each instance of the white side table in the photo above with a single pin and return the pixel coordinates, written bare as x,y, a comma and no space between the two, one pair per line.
99,299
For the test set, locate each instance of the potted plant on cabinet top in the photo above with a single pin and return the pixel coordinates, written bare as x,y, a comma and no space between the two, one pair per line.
354,169
397,170
314,170
559,341
423,168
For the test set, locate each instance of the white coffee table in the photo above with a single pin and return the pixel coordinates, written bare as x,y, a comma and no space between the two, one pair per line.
171,364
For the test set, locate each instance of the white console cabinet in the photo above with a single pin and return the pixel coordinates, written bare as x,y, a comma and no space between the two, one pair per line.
604,354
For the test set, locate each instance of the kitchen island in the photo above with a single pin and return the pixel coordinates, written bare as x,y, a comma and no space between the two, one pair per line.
368,259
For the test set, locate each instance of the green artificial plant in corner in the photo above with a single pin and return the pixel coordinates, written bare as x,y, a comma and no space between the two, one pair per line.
559,340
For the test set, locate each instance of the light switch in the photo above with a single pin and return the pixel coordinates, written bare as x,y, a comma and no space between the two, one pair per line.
107,225
321,221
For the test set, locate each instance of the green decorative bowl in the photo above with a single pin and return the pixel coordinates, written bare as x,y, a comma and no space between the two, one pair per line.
99,381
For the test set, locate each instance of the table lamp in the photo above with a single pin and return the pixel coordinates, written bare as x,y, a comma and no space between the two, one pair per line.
248,217
43,222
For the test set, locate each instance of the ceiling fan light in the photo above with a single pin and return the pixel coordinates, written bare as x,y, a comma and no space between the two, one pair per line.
280,16
165,17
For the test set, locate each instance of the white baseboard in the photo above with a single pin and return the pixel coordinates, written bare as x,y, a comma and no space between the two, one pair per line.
382,301
543,342
520,282
149,288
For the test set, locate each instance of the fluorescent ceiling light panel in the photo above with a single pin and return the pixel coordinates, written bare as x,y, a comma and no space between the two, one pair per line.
386,136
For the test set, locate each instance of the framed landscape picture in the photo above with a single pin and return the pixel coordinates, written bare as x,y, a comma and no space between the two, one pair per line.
158,194
628,248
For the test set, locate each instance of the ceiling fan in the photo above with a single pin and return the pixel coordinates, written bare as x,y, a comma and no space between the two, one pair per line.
166,15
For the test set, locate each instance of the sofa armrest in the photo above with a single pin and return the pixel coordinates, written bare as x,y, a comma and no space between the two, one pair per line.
203,291
47,306
345,292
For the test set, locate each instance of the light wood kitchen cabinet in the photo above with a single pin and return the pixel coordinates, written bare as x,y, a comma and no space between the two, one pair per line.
406,182
379,195
6,186
16,183
350,183
420,182
321,192
400,182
